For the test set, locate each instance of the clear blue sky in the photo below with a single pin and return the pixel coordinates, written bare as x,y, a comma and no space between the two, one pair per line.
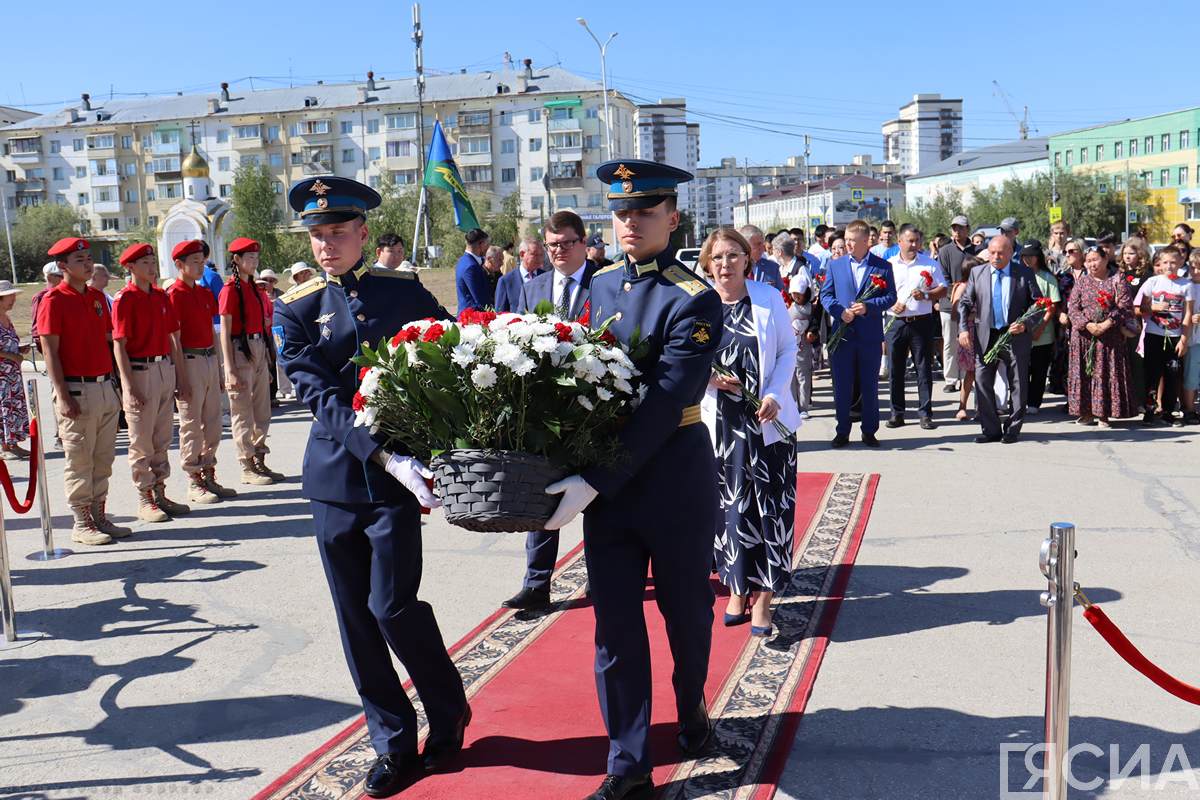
834,70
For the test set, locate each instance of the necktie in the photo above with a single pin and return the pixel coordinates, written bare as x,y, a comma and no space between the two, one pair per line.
564,296
998,320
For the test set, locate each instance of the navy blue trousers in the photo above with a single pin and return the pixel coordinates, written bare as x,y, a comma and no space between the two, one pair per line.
849,361
664,519
541,554
372,559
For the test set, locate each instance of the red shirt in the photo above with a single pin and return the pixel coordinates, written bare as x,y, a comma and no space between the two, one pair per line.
82,323
231,303
195,307
145,320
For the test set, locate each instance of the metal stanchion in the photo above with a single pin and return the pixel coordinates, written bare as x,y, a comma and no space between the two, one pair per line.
1058,565
48,551
8,612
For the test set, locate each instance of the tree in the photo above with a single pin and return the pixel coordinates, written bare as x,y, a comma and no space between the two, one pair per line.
35,229
683,235
256,212
504,226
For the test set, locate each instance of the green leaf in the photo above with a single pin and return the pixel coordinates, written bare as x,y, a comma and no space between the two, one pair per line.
544,308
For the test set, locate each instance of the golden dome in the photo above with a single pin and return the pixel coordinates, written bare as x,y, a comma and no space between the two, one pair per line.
194,165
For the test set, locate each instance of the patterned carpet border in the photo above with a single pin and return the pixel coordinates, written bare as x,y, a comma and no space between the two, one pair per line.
758,704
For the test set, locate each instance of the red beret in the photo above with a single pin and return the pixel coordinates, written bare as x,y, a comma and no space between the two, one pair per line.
134,252
243,245
64,247
185,249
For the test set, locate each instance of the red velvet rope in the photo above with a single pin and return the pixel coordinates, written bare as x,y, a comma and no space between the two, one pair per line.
1125,649
31,490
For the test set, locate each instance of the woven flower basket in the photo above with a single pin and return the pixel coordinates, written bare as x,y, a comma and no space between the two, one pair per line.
493,491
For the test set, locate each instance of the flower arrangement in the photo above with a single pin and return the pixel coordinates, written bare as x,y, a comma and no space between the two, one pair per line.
1038,309
1106,301
924,285
874,286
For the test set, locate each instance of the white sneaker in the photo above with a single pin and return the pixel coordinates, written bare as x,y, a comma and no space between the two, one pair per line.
804,415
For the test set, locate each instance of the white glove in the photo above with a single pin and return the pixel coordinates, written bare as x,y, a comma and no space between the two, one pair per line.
412,474
577,494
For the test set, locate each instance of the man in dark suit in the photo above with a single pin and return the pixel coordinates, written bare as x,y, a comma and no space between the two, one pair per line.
475,291
998,294
512,285
566,288
857,355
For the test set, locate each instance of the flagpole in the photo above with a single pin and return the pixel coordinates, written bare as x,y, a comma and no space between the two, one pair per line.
417,227
418,38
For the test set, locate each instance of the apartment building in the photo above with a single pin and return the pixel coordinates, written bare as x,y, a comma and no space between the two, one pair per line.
929,129
832,201
118,162
664,135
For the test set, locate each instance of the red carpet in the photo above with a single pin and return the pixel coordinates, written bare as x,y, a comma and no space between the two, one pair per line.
537,732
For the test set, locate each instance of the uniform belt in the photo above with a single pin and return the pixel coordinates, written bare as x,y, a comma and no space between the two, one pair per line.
691,415
914,317
253,336
147,359
88,378
197,352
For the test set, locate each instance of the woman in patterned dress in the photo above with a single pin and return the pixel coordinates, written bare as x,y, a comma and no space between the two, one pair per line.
756,461
1106,392
14,416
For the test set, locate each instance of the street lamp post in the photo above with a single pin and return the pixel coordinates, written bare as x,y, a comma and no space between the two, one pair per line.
12,261
603,81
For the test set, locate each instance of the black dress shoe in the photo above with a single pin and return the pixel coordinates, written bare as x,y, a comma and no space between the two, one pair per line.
986,439
869,440
528,599
392,773
1010,438
840,441
895,422
927,424
694,732
624,787
440,750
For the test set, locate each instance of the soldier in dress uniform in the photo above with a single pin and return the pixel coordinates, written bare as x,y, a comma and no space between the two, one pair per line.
146,345
200,413
366,500
657,506
244,331
75,328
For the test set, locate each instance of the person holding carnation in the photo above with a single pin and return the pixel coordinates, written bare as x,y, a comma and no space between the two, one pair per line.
1098,383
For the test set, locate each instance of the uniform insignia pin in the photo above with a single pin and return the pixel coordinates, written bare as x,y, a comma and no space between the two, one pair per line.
326,332
321,320
319,188
701,333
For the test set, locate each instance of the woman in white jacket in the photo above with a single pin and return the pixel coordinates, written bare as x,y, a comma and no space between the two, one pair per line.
755,458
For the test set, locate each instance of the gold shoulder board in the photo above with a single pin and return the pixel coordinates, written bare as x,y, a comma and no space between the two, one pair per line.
609,268
684,279
303,290
394,273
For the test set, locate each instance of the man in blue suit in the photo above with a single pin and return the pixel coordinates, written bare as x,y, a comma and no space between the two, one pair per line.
857,355
566,288
512,285
475,291
366,500
763,269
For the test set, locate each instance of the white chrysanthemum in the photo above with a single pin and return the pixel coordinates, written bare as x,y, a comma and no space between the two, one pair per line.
506,354
470,334
502,321
370,382
583,401
590,368
520,332
414,354
578,332
463,355
366,417
623,385
604,394
619,371
541,328
545,344
484,376
523,366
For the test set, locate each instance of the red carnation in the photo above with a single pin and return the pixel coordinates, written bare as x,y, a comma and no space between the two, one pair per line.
362,373
563,331
359,402
820,277
586,316
433,333
410,334
608,338
878,282
928,276
787,298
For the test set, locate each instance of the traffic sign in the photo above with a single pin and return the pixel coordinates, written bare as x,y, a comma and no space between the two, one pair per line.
856,195
1055,214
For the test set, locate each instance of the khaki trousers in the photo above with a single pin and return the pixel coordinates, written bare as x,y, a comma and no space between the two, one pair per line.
150,426
200,417
250,406
89,442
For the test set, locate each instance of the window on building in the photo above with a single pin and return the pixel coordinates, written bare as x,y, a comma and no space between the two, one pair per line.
247,131
224,190
1164,177
1184,136
131,195
56,174
404,121
314,127
475,118
80,172
1183,177
348,155
373,125
474,144
536,173
275,160
10,175
473,174
1165,143
346,127
508,175
562,112
593,112
1068,159
222,135
1133,148
60,200
1119,182
591,142
277,186
535,115
151,195
297,158
104,195
373,181
594,199
131,169
110,224
171,191
1099,152
81,198
568,200
55,146
508,145
535,144
536,202
249,160
372,154
399,149
126,142
404,177
223,163
272,133
506,118
1147,145
100,142
1117,147
1057,159
77,145
167,137
1083,155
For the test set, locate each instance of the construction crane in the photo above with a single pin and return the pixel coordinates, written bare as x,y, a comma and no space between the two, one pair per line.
1022,121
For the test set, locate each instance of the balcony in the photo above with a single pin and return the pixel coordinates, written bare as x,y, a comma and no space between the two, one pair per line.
474,124
30,185
247,143
317,168
109,179
393,163
474,159
107,206
25,151
574,153
574,182
567,125
166,149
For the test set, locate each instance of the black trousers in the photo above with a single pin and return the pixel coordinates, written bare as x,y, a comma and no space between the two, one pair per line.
541,553
917,335
1161,363
1040,358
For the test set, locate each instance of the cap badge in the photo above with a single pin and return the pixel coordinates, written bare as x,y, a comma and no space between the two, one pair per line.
322,202
625,173
80,246
319,188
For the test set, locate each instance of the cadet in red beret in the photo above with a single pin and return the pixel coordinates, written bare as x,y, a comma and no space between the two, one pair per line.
199,415
149,358
75,328
244,347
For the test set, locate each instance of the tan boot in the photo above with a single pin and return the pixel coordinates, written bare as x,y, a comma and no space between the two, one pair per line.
253,477
148,508
210,480
260,466
198,491
106,525
84,531
168,505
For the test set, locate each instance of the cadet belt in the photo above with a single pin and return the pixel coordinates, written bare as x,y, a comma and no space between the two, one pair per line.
147,359
199,352
253,336
88,378
691,415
